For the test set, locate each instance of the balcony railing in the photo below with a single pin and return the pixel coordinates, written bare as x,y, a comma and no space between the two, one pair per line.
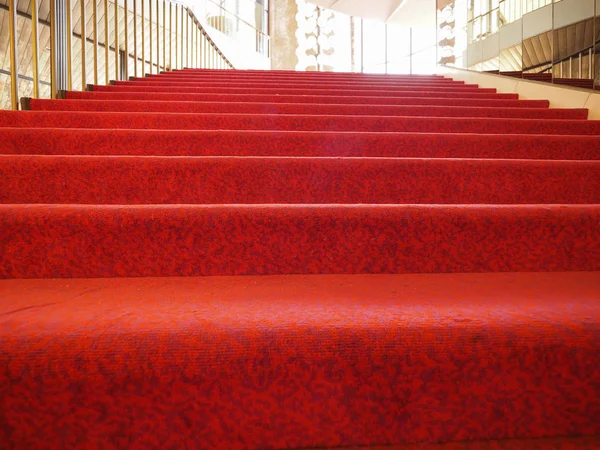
113,41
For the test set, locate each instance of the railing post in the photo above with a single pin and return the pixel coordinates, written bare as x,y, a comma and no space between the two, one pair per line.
95,38
35,45
386,47
58,46
106,44
177,36
83,42
117,51
182,41
410,50
150,34
135,40
14,57
362,46
157,36
143,38
69,37
164,34
171,35
126,42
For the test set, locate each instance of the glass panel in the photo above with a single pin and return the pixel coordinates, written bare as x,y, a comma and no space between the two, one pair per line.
374,46
399,42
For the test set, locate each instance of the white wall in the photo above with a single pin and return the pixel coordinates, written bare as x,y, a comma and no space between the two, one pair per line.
239,55
511,34
538,21
559,96
572,11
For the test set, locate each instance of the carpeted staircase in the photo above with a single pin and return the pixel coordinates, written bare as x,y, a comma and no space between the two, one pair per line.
274,260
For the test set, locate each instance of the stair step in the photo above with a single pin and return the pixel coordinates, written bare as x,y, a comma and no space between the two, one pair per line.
295,122
239,360
58,241
251,84
322,99
383,92
303,109
258,180
75,141
302,98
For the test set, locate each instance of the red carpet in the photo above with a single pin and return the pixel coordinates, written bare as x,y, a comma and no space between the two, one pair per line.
280,260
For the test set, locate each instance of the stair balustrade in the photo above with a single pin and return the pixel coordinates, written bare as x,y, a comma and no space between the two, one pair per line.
128,38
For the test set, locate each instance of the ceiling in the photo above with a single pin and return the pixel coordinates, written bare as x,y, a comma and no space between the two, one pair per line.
404,13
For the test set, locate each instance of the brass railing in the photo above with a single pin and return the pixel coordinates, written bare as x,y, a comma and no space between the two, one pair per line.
170,35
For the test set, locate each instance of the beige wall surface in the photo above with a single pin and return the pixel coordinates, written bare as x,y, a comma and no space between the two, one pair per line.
559,96
283,26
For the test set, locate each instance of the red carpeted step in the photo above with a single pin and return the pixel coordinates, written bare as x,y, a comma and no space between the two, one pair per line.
324,99
58,241
345,97
428,92
296,84
56,141
339,360
295,73
296,361
282,122
235,180
303,108
554,443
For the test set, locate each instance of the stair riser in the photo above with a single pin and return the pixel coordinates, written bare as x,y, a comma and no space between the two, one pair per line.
322,99
367,97
295,84
112,180
431,92
289,143
380,350
305,109
158,121
103,241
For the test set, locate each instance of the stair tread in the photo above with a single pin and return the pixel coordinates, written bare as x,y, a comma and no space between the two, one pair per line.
160,342
77,141
296,122
172,240
188,179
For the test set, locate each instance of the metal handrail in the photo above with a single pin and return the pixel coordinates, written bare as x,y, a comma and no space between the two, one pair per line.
194,48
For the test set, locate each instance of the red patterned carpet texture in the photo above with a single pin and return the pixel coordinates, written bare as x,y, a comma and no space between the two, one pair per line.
252,260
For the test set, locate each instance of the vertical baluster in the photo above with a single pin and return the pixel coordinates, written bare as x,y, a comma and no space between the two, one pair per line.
171,36
177,36
83,43
14,56
95,37
193,41
135,40
185,38
157,36
126,42
143,38
189,39
164,35
182,35
35,45
69,43
117,71
198,49
53,68
106,44
150,34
